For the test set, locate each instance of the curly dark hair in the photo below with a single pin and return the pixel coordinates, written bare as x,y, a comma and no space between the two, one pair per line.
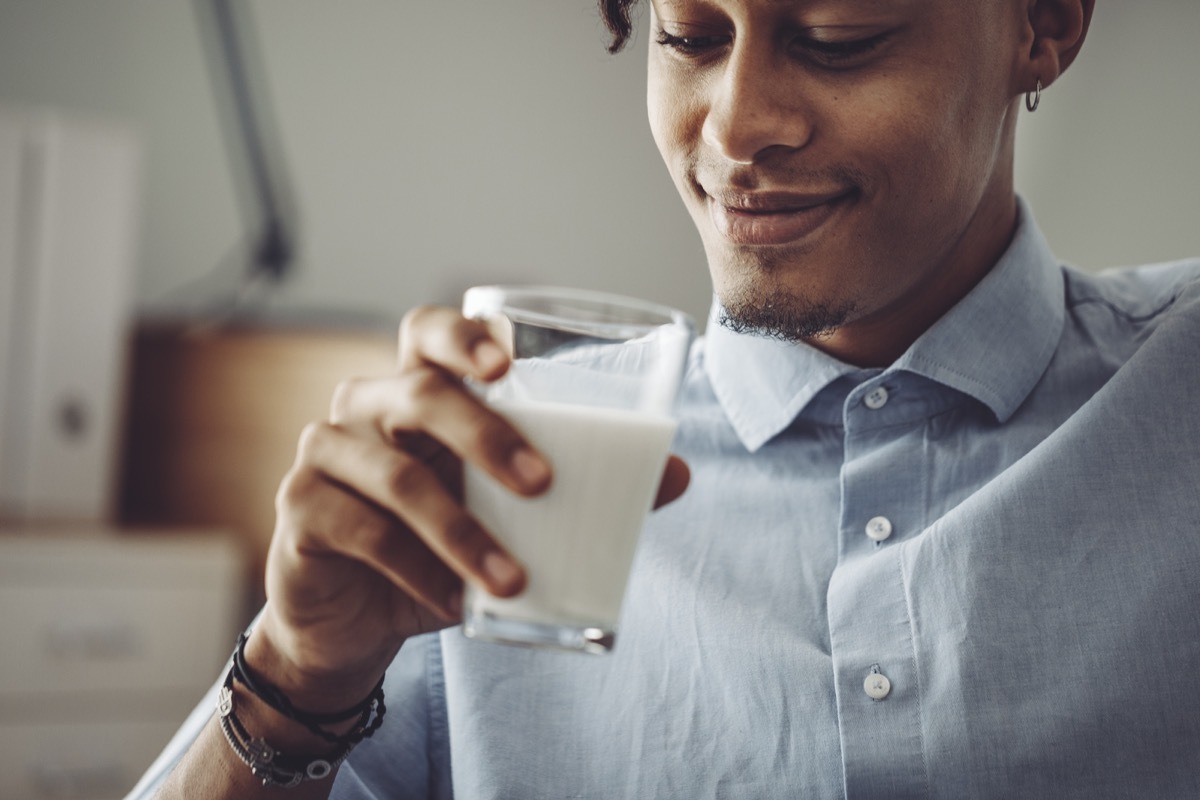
616,17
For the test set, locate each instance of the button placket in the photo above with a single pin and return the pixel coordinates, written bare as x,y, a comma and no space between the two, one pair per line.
882,472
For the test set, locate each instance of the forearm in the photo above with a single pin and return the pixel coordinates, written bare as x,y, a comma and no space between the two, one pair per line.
212,769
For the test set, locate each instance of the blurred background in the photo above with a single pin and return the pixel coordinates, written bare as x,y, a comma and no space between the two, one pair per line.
181,286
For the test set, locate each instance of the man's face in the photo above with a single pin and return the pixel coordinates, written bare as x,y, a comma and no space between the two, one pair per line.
846,161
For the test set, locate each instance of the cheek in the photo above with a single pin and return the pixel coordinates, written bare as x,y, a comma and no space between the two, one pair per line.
675,127
915,142
900,123
665,112
946,128
659,119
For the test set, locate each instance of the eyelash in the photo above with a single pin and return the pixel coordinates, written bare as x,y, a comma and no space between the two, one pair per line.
829,53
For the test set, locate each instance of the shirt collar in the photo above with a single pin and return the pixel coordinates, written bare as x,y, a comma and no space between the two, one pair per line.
993,345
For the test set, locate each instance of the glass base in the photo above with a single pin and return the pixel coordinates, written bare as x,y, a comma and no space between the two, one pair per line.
490,628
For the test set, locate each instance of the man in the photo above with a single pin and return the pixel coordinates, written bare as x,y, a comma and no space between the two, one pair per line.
941,534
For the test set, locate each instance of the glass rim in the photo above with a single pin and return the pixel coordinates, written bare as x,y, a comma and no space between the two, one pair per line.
513,300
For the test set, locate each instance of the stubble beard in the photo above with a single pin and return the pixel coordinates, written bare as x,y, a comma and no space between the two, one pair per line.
758,304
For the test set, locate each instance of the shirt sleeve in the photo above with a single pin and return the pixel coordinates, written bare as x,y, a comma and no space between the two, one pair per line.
180,742
408,757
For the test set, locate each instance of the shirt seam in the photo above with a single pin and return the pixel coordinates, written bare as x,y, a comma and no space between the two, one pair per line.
939,365
438,745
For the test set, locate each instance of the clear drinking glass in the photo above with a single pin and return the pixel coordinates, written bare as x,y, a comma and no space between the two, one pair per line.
593,386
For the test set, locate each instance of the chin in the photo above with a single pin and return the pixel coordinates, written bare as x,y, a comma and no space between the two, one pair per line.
754,300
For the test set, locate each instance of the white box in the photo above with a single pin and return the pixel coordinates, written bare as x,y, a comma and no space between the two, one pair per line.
108,641
69,190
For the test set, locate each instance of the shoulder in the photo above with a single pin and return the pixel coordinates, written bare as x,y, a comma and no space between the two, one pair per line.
1144,321
1136,296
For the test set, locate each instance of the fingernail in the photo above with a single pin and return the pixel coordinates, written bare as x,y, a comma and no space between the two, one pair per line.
530,469
488,356
500,568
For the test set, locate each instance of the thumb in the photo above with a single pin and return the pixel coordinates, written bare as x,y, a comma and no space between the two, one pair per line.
675,479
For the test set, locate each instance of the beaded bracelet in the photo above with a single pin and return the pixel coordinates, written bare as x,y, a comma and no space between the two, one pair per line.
271,765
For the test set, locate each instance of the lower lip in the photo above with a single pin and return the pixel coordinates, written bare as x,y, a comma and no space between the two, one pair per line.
785,227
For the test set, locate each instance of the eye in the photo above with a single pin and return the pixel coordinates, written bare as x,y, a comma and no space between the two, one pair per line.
690,46
839,53
833,54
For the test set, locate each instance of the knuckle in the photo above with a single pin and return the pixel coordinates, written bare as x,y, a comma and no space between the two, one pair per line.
414,320
294,489
415,315
342,401
407,478
312,438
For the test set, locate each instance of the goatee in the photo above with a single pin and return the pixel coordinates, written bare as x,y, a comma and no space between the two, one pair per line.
780,315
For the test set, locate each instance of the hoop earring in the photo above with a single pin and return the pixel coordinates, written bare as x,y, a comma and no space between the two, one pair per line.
1036,95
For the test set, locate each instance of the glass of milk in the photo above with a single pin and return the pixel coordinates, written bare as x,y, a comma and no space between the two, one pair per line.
592,385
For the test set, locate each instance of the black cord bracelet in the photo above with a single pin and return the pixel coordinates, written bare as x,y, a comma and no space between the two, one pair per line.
369,711
271,766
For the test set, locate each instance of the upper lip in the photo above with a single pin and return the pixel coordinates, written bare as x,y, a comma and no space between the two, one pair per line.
772,202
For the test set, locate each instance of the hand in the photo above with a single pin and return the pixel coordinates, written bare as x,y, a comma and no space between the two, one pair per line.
372,543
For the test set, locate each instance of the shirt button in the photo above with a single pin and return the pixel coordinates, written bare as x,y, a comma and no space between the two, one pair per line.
876,398
877,686
879,529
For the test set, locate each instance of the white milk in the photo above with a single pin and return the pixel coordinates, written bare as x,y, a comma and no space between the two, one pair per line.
577,540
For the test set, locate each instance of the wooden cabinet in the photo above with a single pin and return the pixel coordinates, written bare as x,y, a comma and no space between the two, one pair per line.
108,642
215,414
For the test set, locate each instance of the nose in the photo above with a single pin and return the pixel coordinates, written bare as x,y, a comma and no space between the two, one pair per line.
755,105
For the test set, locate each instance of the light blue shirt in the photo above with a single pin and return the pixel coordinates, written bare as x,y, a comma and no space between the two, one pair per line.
973,574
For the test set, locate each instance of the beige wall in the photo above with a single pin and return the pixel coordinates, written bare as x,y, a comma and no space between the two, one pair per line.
1111,160
434,146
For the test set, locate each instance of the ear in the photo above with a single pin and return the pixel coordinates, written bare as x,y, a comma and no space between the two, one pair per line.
1054,32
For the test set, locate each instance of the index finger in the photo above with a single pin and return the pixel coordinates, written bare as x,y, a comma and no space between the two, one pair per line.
442,337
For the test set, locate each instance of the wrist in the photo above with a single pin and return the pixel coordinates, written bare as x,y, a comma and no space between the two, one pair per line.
284,744
308,684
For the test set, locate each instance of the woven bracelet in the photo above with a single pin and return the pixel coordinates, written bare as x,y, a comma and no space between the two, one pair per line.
270,765
369,711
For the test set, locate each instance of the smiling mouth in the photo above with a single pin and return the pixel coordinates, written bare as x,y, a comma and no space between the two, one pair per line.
773,218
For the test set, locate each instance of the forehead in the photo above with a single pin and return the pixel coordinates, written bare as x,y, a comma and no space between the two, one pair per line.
807,5
800,4
963,15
